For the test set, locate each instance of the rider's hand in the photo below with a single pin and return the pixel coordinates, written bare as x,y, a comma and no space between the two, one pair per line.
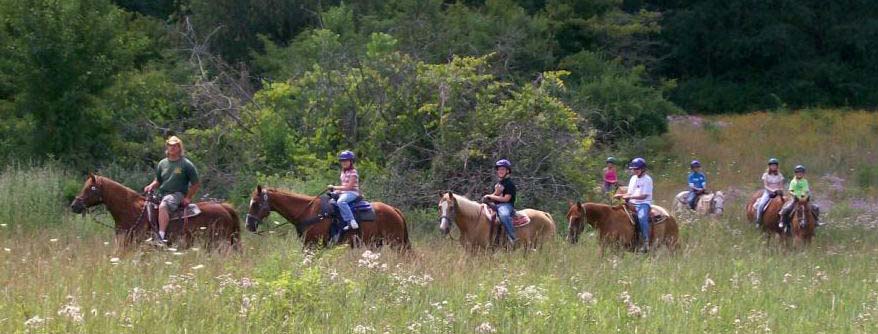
486,198
186,202
148,188
330,187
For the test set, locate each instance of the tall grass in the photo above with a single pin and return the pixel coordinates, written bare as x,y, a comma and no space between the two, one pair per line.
66,278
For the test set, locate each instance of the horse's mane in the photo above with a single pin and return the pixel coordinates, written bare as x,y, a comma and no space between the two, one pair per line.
116,186
288,193
466,206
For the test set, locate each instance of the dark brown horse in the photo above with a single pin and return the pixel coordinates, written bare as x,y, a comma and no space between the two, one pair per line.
218,223
615,228
303,212
802,222
770,217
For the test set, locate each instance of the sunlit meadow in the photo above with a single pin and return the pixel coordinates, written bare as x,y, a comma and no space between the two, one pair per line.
59,272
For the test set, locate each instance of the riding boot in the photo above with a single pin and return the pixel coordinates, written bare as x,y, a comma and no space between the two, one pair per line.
644,246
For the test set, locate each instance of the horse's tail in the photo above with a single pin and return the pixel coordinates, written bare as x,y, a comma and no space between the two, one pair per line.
406,245
552,226
235,237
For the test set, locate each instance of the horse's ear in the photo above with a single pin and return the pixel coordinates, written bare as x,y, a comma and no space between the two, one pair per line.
91,176
569,203
258,188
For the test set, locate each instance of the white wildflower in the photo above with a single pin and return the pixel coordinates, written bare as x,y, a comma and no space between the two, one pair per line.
200,266
71,310
485,328
35,322
668,298
587,298
708,284
360,329
114,260
500,291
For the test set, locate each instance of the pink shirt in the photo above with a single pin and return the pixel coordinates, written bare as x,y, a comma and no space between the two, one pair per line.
350,178
610,175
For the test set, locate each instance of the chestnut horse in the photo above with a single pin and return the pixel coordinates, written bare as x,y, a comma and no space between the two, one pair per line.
303,212
770,217
475,229
615,228
218,223
802,222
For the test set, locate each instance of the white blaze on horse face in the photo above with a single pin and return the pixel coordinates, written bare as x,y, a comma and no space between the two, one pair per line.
443,220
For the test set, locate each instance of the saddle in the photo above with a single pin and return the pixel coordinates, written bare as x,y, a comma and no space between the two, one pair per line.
657,214
518,219
362,210
177,217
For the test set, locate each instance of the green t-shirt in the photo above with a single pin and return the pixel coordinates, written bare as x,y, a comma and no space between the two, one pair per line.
799,187
175,176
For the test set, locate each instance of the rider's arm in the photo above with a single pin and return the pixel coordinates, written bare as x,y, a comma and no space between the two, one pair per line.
193,189
500,199
151,186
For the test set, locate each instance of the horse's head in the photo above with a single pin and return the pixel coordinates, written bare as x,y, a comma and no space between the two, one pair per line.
259,208
447,212
92,194
576,221
717,203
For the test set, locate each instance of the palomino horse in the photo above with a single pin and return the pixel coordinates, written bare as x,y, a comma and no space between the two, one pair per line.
615,227
217,223
476,230
802,222
771,215
707,204
304,213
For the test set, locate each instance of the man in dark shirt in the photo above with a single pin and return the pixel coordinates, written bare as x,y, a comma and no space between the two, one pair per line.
176,179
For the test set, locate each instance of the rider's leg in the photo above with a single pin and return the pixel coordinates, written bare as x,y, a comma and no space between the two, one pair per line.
760,207
168,204
785,213
691,199
815,210
643,222
505,212
344,208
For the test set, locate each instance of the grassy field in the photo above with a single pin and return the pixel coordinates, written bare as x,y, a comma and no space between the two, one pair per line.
59,273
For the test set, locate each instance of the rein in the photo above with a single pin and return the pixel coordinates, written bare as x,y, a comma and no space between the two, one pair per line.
301,227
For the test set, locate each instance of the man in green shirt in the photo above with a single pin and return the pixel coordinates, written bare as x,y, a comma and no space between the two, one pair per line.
800,191
176,180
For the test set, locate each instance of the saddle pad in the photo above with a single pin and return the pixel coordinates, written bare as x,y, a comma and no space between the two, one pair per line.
191,211
362,210
518,220
658,215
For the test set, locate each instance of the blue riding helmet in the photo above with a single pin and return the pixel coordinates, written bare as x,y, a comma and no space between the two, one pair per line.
773,161
637,163
695,163
347,155
503,163
800,168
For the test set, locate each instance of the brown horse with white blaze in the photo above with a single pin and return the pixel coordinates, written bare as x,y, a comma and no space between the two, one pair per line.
802,222
615,228
475,228
217,224
303,212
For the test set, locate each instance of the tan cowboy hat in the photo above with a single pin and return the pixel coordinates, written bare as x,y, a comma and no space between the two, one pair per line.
173,141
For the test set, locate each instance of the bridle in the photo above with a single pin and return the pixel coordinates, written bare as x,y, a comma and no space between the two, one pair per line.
265,207
96,190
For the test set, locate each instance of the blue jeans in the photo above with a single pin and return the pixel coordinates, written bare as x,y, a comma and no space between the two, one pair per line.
760,205
691,200
344,206
643,221
505,212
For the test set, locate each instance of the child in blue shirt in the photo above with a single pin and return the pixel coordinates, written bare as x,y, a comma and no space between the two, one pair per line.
697,183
